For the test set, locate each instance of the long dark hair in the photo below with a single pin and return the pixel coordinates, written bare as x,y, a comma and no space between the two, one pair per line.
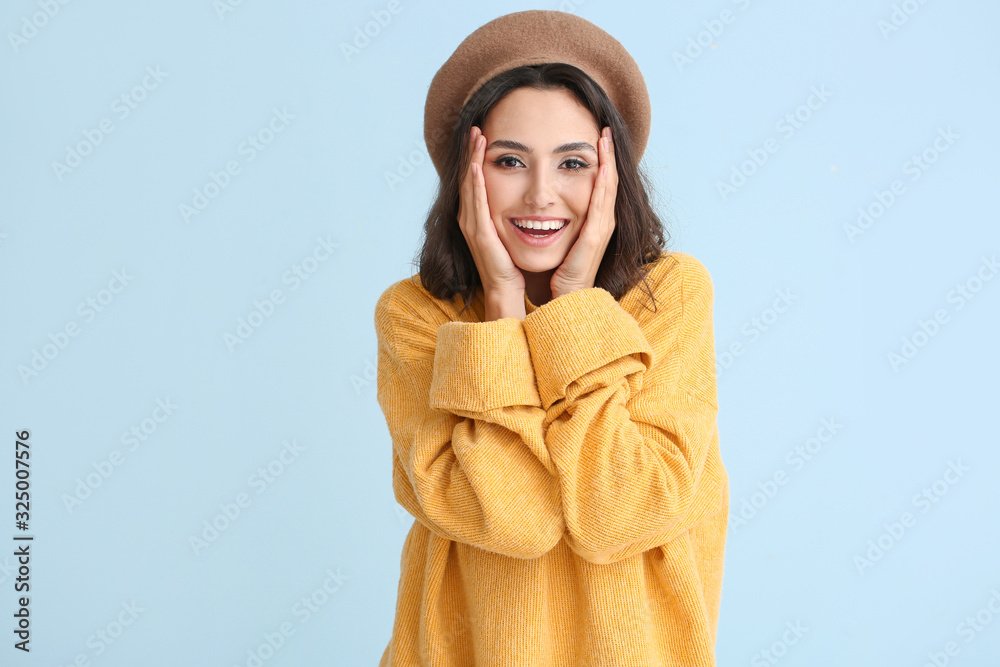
446,265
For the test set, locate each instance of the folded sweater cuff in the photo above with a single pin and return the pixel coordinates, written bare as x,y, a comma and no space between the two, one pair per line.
579,332
480,366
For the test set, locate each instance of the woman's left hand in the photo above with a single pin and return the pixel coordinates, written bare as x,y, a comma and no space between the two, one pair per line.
579,269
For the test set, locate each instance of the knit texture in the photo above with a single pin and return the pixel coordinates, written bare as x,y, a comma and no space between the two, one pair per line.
564,474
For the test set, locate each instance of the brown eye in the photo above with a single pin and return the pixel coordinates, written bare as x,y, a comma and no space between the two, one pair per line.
504,162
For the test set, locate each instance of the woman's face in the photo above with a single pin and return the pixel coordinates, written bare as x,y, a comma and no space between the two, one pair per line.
541,160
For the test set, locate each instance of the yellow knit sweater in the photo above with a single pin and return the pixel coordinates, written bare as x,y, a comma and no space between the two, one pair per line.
564,474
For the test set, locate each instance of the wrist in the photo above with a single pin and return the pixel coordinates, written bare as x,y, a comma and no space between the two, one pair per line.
561,290
504,304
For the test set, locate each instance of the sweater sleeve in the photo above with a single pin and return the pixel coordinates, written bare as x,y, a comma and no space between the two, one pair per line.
629,426
464,415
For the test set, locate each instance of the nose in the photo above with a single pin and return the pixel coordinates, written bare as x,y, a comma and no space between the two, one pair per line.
539,193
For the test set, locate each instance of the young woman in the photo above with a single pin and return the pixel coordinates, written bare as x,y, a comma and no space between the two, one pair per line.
548,377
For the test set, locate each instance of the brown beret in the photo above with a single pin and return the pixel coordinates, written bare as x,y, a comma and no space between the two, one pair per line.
533,37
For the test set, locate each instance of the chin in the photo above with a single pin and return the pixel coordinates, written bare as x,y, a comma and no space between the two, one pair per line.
538,263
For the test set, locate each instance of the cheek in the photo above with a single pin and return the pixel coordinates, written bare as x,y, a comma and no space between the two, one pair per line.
579,192
497,192
492,188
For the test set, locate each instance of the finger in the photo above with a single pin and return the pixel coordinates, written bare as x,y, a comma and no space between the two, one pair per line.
606,157
483,220
611,179
480,155
608,195
476,140
592,228
609,190
470,151
610,153
479,180
475,156
466,182
602,196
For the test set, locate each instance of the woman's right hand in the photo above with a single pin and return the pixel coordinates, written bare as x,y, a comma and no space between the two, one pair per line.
497,271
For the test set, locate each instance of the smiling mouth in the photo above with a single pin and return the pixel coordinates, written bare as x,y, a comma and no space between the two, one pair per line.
539,228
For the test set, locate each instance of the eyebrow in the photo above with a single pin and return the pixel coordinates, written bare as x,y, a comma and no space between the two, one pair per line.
570,147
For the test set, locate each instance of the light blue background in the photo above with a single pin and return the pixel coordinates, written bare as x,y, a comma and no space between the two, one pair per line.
306,373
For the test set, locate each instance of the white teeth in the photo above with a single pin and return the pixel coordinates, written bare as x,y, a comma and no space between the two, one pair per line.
538,224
